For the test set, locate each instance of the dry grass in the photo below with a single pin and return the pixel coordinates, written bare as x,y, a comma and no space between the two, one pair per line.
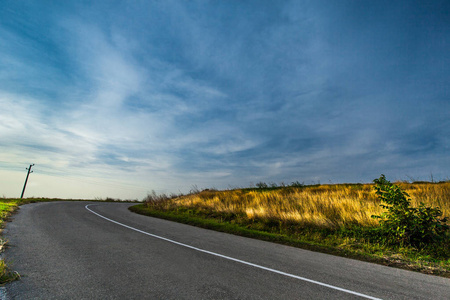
330,218
326,206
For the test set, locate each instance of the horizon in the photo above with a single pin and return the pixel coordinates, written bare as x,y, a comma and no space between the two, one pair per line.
258,186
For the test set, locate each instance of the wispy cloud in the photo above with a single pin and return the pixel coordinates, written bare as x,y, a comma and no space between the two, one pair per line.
164,95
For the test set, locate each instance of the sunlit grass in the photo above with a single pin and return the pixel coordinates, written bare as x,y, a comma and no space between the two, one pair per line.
325,206
330,218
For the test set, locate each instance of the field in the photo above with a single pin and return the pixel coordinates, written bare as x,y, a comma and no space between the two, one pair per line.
324,206
329,218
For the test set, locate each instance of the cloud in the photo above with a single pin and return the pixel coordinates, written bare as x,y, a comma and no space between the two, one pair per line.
170,94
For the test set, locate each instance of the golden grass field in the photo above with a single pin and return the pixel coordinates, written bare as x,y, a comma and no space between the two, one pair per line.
328,206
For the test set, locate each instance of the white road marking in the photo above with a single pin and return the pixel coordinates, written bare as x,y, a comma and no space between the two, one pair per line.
235,259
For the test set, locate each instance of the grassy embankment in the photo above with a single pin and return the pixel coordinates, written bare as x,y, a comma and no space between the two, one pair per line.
334,219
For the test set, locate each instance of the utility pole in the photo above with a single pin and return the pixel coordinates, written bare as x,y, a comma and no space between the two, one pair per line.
25,185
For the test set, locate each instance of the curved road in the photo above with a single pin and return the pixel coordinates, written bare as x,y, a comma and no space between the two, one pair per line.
92,250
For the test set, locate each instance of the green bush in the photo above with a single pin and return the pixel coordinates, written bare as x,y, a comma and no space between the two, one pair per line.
262,185
405,225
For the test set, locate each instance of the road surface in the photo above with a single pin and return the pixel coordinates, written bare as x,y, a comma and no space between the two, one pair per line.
92,250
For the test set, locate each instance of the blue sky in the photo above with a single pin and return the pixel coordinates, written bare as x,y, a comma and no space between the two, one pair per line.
118,98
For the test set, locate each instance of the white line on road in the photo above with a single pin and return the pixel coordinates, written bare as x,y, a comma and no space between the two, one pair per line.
235,259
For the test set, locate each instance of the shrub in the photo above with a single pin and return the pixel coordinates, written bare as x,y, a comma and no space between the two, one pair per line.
297,184
406,225
262,185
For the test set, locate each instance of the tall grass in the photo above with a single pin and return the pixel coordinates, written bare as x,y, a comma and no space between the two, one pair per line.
324,206
330,218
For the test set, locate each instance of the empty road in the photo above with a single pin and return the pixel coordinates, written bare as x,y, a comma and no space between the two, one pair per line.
92,250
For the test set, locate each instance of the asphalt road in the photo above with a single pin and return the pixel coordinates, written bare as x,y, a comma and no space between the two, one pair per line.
65,250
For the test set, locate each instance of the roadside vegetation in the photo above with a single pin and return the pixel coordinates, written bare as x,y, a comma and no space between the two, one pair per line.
402,224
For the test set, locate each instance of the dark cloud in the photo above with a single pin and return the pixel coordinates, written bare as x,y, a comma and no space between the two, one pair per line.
232,92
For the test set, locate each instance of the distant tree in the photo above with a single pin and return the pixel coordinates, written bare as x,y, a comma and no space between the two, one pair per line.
262,185
296,184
